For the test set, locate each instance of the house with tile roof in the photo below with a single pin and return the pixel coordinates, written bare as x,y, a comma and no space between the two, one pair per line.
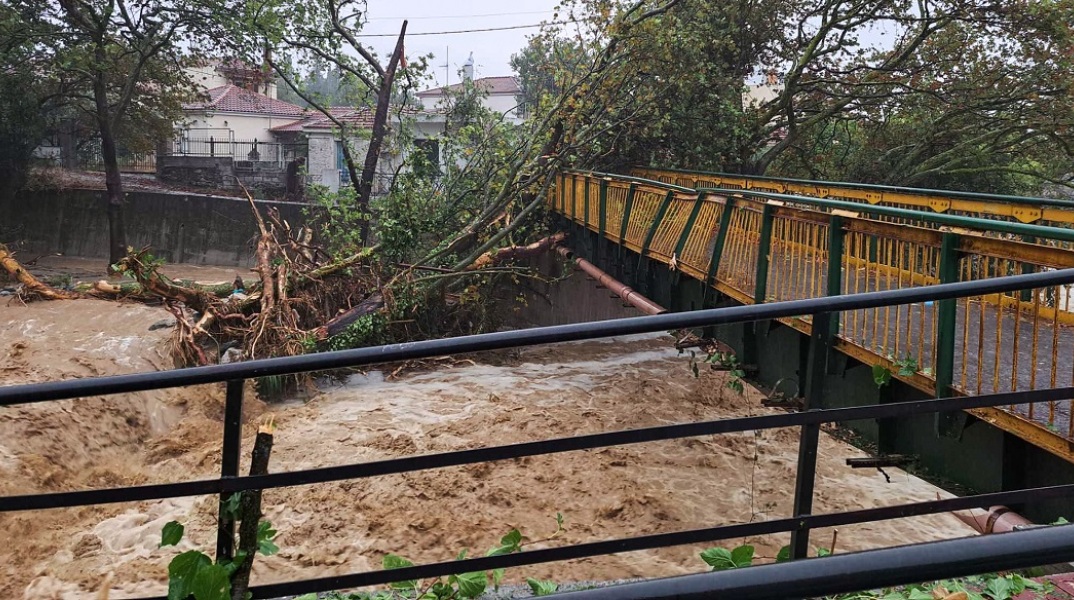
500,93
257,131
325,164
234,113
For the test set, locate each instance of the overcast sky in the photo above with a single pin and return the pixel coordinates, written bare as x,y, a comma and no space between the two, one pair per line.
492,49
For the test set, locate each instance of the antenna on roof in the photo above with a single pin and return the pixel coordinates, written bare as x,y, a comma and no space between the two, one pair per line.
447,65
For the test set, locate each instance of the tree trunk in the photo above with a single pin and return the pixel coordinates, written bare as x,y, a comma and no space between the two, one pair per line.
250,512
113,182
380,121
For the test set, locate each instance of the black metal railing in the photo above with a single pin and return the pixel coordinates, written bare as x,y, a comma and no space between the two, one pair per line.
254,151
887,567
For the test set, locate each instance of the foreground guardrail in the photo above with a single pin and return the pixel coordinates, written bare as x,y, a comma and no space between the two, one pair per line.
797,524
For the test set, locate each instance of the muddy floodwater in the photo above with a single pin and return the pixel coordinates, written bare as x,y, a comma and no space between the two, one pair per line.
345,527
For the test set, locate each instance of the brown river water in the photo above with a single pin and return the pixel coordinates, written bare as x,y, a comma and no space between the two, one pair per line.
508,397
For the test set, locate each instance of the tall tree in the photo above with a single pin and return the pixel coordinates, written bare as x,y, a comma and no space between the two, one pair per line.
121,65
685,76
25,102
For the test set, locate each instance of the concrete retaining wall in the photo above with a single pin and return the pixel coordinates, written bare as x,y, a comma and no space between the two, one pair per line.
180,228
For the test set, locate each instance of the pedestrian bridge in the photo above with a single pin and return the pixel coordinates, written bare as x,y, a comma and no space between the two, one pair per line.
695,240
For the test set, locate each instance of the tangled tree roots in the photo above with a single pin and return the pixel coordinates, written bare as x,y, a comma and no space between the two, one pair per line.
304,300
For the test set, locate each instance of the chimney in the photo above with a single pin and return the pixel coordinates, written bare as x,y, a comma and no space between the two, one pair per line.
468,69
772,78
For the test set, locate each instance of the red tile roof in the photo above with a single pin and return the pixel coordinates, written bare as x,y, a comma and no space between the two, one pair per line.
492,85
359,118
231,98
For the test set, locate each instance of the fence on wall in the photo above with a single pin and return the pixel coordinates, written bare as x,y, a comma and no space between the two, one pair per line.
822,576
254,150
90,158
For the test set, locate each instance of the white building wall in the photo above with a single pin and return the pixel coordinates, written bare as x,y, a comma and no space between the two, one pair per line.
505,104
321,163
241,127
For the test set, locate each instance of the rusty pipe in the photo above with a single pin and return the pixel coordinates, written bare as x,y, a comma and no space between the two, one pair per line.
618,288
997,519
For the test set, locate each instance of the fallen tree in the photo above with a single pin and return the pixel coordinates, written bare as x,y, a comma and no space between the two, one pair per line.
443,244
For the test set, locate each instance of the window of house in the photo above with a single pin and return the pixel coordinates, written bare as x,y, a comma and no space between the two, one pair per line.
431,150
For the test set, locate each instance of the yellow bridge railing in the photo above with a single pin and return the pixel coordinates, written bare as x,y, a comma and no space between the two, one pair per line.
759,246
1019,209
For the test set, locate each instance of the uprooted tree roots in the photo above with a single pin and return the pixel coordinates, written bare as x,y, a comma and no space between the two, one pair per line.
303,300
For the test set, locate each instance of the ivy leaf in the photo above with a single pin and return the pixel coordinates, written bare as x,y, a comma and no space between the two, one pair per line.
472,585
718,558
172,533
211,583
784,554
542,588
508,544
998,589
392,561
231,505
823,552
265,535
181,573
881,375
919,594
742,556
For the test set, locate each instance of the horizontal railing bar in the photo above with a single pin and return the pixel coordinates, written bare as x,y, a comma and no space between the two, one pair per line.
659,540
57,390
1040,231
1028,200
857,571
513,451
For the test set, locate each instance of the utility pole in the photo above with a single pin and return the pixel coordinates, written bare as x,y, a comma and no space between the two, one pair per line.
447,66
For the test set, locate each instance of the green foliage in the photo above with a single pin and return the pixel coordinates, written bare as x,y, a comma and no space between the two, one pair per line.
881,376
721,558
172,534
453,587
367,330
193,574
991,586
907,365
982,587
722,361
541,587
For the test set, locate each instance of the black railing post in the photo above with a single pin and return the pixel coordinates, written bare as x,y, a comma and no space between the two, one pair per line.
229,465
819,348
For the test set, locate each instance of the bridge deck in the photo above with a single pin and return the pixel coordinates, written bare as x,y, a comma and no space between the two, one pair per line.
756,248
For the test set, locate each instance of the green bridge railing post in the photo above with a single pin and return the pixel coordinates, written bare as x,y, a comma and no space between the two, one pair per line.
574,198
764,248
585,201
836,236
751,331
947,315
602,223
628,207
602,207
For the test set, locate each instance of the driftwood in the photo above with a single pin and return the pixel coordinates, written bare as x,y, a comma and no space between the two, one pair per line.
32,288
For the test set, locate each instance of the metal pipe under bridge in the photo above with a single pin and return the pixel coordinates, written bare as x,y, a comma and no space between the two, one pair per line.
698,240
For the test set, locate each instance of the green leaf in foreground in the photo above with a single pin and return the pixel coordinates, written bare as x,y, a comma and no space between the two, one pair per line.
542,588
181,573
172,533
